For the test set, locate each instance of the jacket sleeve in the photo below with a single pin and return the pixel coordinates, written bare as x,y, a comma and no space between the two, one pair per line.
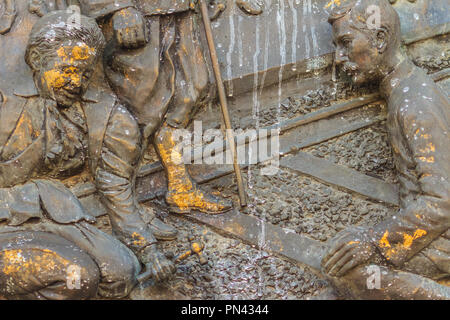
100,8
425,218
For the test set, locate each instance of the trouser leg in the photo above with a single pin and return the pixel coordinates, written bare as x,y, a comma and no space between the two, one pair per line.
39,265
115,179
118,265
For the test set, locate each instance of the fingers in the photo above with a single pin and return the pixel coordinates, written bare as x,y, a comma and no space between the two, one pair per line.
335,245
336,258
140,36
162,269
348,266
343,261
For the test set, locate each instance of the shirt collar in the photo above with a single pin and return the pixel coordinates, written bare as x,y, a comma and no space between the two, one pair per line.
393,80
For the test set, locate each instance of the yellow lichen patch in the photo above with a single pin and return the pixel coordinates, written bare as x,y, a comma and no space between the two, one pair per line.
336,2
428,160
14,261
176,171
82,52
384,242
57,79
138,240
429,148
197,247
426,136
193,199
353,242
408,240
54,79
71,53
390,253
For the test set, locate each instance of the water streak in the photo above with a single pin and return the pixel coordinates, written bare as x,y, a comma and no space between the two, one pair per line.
230,54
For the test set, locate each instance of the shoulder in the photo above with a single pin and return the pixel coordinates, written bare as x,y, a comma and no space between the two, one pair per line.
420,100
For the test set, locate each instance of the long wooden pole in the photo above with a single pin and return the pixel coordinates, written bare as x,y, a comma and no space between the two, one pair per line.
223,101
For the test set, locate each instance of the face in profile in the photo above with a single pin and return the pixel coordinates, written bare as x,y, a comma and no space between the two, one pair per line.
356,54
65,75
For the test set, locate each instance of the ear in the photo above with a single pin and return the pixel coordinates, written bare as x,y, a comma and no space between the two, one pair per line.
382,39
34,59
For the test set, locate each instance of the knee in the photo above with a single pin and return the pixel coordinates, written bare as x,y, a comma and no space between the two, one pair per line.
81,280
123,135
45,266
119,274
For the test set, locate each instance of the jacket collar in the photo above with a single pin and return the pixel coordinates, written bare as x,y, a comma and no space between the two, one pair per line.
394,79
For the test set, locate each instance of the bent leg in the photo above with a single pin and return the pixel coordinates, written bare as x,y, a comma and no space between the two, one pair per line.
39,265
118,265
392,285
183,193
115,178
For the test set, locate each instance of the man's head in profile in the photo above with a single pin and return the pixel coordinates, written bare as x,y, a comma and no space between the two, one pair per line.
367,39
62,52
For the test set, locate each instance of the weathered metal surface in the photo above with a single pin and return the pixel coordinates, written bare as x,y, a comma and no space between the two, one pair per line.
293,140
343,177
296,37
266,236
291,34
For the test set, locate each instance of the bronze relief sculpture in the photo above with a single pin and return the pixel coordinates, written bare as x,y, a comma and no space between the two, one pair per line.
412,247
163,80
112,79
52,132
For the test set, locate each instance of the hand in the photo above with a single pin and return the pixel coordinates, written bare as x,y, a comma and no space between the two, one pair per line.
42,7
348,249
161,267
215,7
129,28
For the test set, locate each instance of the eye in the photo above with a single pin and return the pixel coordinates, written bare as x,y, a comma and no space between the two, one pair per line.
346,42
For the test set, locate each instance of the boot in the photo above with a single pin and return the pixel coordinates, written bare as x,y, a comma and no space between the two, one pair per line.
183,194
160,230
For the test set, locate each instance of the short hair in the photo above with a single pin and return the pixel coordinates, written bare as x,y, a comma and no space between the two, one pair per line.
53,29
358,9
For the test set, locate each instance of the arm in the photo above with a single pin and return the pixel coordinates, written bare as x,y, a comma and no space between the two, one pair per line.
423,219
101,8
428,216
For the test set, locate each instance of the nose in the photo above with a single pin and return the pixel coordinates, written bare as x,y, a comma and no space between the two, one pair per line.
340,56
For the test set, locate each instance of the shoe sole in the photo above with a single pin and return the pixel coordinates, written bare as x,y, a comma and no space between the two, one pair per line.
190,209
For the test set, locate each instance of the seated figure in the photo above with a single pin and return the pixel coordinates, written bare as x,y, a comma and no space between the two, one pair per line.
48,247
409,252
